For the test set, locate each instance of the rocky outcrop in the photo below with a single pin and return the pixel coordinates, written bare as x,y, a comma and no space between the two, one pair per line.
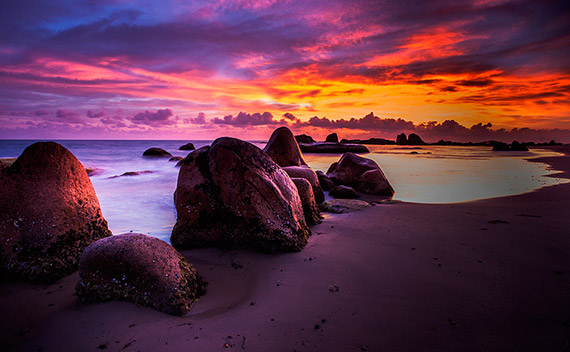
360,173
325,182
340,206
333,137
308,174
514,147
232,194
343,192
310,207
284,149
333,148
402,139
49,214
303,138
187,146
414,139
141,269
157,153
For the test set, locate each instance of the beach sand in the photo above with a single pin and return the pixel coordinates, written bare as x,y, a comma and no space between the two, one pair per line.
488,275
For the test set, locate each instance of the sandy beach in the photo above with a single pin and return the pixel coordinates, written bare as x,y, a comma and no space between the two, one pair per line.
488,275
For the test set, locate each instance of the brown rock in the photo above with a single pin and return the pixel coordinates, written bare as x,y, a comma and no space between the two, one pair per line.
333,137
157,153
325,182
402,139
303,138
343,192
362,174
141,269
49,214
414,139
308,174
284,149
310,207
232,194
187,146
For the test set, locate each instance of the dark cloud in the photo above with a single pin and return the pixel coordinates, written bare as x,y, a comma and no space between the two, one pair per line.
245,119
367,123
289,116
161,117
94,115
200,119
67,115
474,82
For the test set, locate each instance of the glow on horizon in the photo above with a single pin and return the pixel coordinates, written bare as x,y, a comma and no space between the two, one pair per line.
470,64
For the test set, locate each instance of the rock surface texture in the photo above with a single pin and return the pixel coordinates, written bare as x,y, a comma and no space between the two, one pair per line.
310,207
141,269
360,173
343,192
232,194
49,214
308,174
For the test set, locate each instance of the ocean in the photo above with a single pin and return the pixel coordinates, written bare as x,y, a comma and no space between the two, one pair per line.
427,174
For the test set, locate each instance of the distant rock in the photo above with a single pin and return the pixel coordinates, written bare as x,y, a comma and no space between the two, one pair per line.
402,139
344,192
232,194
333,137
414,139
308,174
372,141
49,213
284,149
360,173
340,206
303,138
325,182
176,158
187,146
141,269
157,153
310,207
133,173
515,146
334,148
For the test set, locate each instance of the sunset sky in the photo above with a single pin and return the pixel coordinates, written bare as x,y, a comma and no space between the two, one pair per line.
176,69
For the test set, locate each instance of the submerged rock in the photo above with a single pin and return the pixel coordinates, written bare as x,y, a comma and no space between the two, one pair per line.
49,213
308,174
310,207
176,158
141,269
232,194
133,173
157,153
284,149
187,146
360,173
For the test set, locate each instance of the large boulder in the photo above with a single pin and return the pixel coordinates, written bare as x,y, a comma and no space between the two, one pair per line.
232,194
157,153
360,173
284,149
141,269
310,207
333,137
49,214
308,174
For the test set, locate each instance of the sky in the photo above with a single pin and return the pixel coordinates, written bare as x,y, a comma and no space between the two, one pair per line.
173,69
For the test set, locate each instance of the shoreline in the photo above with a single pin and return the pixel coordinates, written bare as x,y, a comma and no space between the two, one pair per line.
484,275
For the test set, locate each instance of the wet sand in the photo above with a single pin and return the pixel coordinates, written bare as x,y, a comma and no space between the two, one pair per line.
489,275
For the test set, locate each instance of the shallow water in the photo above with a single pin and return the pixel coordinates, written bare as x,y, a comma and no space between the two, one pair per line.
436,174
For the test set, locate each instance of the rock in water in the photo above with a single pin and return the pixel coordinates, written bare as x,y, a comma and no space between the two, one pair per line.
414,139
303,138
402,139
141,269
325,182
232,194
308,174
49,214
310,207
157,153
344,192
360,173
284,149
187,146
333,137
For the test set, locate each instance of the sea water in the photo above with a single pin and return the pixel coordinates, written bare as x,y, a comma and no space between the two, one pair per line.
427,174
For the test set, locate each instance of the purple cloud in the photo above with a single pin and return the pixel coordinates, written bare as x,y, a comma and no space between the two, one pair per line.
245,119
154,119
